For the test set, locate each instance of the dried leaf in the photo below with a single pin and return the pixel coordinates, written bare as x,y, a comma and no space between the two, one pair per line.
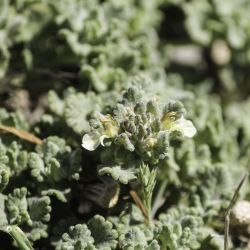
22,134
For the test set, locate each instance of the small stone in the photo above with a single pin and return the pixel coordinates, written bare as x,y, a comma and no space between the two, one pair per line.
220,52
241,213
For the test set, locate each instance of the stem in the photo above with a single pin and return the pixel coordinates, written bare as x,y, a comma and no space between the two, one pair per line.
139,203
158,201
228,211
19,236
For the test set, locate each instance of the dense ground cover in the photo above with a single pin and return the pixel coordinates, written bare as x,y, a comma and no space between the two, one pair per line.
124,124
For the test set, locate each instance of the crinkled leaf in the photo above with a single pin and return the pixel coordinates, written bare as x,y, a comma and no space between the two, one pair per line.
18,158
55,103
61,195
38,231
79,237
37,166
77,108
17,207
117,173
39,208
153,246
4,179
134,238
101,230
3,215
54,161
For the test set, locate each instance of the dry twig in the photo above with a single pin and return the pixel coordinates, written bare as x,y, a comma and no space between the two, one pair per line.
228,212
21,134
139,203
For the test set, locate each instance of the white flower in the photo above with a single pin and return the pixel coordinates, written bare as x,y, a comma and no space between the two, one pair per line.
186,127
93,139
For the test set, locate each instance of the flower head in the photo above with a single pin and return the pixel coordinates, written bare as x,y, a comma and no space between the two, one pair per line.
94,138
172,123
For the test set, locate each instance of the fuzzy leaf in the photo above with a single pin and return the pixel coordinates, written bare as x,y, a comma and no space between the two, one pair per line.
55,103
4,179
79,237
37,166
153,246
77,108
147,180
119,174
105,237
3,215
39,209
17,207
18,158
38,231
60,195
133,239
55,161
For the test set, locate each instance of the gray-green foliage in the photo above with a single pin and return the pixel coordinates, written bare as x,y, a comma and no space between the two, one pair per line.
79,236
139,129
165,136
54,160
222,31
147,180
180,228
97,234
74,108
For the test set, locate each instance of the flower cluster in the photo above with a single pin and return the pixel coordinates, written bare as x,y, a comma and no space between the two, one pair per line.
140,125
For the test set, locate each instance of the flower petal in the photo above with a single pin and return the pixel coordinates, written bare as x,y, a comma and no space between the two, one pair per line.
91,141
186,127
102,139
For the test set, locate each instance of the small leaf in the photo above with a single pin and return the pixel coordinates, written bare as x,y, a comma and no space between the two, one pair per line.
39,209
77,107
134,238
79,237
60,195
102,232
4,179
38,231
3,215
37,166
153,246
117,173
56,105
54,161
17,207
